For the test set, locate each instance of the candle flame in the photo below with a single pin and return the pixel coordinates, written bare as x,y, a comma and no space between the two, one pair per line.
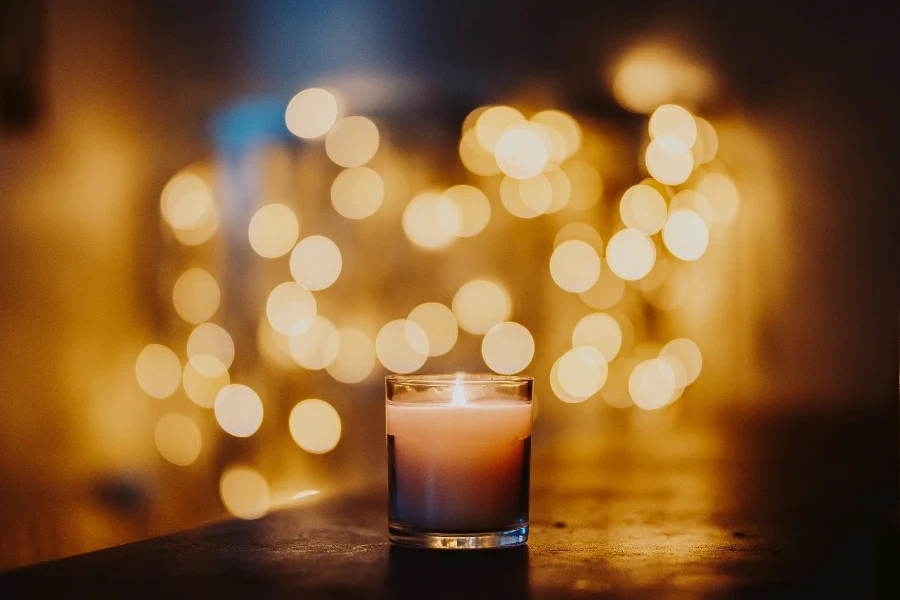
459,394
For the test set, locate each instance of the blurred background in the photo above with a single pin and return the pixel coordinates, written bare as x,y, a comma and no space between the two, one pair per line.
678,217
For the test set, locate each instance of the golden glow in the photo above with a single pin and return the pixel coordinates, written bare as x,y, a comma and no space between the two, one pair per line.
244,492
581,372
439,324
586,185
688,354
630,254
507,348
675,121
239,411
521,153
642,82
685,234
203,379
195,296
355,358
615,390
707,141
402,346
187,201
315,426
177,439
600,331
575,266
472,118
562,190
352,141
273,346
579,231
473,206
291,308
643,208
678,371
475,158
526,198
357,192
481,304
606,292
669,160
492,123
316,262
200,234
431,221
308,349
273,230
696,202
158,371
672,292
211,340
567,128
722,195
311,113
652,384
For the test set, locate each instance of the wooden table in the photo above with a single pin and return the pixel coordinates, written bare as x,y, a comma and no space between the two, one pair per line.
781,508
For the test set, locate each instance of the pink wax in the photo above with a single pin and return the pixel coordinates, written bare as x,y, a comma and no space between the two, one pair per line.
459,468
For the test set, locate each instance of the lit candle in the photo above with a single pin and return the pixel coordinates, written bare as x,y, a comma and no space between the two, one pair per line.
459,457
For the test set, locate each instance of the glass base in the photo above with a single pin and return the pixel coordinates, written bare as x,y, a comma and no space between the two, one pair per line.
458,541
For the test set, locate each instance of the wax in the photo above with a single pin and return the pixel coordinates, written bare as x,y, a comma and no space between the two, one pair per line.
459,468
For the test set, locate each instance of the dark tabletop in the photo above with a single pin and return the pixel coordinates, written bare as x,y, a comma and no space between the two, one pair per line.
777,509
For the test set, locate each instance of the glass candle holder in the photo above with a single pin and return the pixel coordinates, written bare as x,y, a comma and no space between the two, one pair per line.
459,459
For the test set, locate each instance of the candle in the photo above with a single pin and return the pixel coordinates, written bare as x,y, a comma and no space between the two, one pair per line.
459,450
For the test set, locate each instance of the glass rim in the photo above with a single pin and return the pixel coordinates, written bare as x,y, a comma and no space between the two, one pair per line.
465,379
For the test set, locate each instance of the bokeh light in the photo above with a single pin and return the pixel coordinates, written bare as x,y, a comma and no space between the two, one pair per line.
244,492
273,230
652,384
492,123
643,208
707,145
473,206
507,348
402,346
600,331
239,411
311,113
431,221
688,354
579,231
581,372
158,370
674,121
630,254
357,192
210,339
187,201
526,198
642,82
316,262
722,195
685,234
606,292
615,390
315,426
177,439
355,358
309,350
585,184
567,127
273,346
562,190
521,153
475,157
200,234
669,160
196,296
480,304
695,201
575,266
204,377
291,308
352,141
439,324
